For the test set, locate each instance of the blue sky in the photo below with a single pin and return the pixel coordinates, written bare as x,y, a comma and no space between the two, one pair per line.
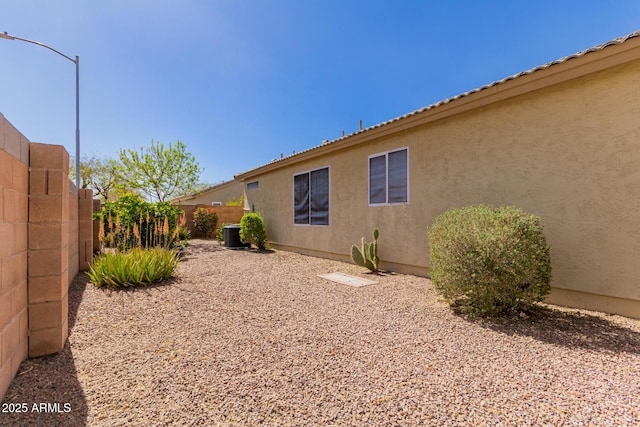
242,81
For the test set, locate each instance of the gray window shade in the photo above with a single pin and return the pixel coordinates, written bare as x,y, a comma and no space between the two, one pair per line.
378,179
301,198
320,197
311,197
398,176
389,178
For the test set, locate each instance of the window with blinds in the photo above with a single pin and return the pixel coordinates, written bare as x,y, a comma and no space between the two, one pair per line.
311,197
389,177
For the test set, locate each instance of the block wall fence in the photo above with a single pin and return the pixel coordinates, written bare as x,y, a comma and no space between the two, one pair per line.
226,214
45,240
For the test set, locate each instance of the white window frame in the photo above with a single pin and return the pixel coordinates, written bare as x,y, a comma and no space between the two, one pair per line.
308,172
386,155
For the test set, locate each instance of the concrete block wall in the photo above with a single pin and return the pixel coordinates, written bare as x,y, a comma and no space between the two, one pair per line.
43,241
50,258
74,256
14,186
96,226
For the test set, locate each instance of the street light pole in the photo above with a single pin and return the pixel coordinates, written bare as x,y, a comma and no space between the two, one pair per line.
77,62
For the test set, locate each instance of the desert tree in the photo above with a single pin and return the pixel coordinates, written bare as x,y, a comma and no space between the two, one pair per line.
159,172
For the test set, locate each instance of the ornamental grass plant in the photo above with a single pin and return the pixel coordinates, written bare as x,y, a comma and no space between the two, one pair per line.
135,267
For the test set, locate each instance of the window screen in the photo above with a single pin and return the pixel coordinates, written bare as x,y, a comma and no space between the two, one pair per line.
378,179
301,198
311,197
320,197
398,177
388,178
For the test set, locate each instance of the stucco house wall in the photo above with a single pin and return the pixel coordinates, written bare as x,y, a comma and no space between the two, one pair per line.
561,142
221,193
230,190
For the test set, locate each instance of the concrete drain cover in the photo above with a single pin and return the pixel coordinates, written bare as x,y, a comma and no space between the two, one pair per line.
347,279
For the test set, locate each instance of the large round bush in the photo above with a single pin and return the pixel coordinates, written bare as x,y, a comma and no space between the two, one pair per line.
489,261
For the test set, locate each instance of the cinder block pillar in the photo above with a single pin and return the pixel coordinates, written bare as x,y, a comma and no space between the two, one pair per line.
48,283
85,227
96,227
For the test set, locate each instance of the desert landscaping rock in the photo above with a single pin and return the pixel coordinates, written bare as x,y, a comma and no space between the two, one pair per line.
245,338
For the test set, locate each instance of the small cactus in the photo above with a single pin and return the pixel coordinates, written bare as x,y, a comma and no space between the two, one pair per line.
367,254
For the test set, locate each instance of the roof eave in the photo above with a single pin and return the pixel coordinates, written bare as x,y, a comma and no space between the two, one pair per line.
203,192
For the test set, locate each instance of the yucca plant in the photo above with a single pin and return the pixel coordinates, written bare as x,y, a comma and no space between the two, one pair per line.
135,267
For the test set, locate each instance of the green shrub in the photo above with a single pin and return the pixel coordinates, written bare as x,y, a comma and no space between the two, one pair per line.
136,267
184,233
252,230
205,221
181,240
489,261
220,232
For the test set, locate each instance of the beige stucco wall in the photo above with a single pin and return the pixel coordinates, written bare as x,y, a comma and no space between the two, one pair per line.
222,193
569,153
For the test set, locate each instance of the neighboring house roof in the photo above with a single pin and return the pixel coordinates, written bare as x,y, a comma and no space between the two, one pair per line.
538,77
202,192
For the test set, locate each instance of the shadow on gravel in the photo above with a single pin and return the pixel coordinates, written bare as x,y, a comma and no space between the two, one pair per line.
200,247
567,329
44,393
141,288
264,252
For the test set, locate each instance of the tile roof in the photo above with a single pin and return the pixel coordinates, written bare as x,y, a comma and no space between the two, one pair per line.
562,60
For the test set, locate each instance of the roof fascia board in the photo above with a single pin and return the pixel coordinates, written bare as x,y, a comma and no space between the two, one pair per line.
535,79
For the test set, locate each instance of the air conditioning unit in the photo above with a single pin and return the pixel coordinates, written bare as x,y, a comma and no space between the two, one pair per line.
216,203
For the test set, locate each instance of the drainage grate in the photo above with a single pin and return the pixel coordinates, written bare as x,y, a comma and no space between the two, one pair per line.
347,279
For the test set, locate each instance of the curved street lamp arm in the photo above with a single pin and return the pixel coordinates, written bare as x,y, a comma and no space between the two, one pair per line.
10,37
77,62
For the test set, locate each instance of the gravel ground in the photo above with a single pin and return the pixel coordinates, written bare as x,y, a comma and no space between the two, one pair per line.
244,338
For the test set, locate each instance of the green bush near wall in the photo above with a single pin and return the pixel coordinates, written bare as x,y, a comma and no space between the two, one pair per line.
489,261
252,230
